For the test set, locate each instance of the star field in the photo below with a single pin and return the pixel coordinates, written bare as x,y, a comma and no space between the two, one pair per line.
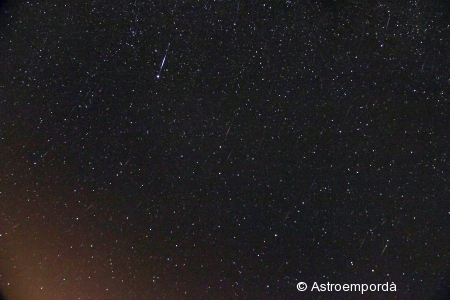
223,149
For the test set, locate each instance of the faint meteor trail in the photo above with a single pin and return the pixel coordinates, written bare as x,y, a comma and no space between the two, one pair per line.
387,25
90,206
229,156
237,14
384,249
363,241
228,131
164,60
287,216
138,205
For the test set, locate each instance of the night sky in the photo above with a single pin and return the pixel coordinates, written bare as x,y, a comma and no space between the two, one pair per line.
224,149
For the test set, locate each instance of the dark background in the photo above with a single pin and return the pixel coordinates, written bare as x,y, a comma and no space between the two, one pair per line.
282,142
